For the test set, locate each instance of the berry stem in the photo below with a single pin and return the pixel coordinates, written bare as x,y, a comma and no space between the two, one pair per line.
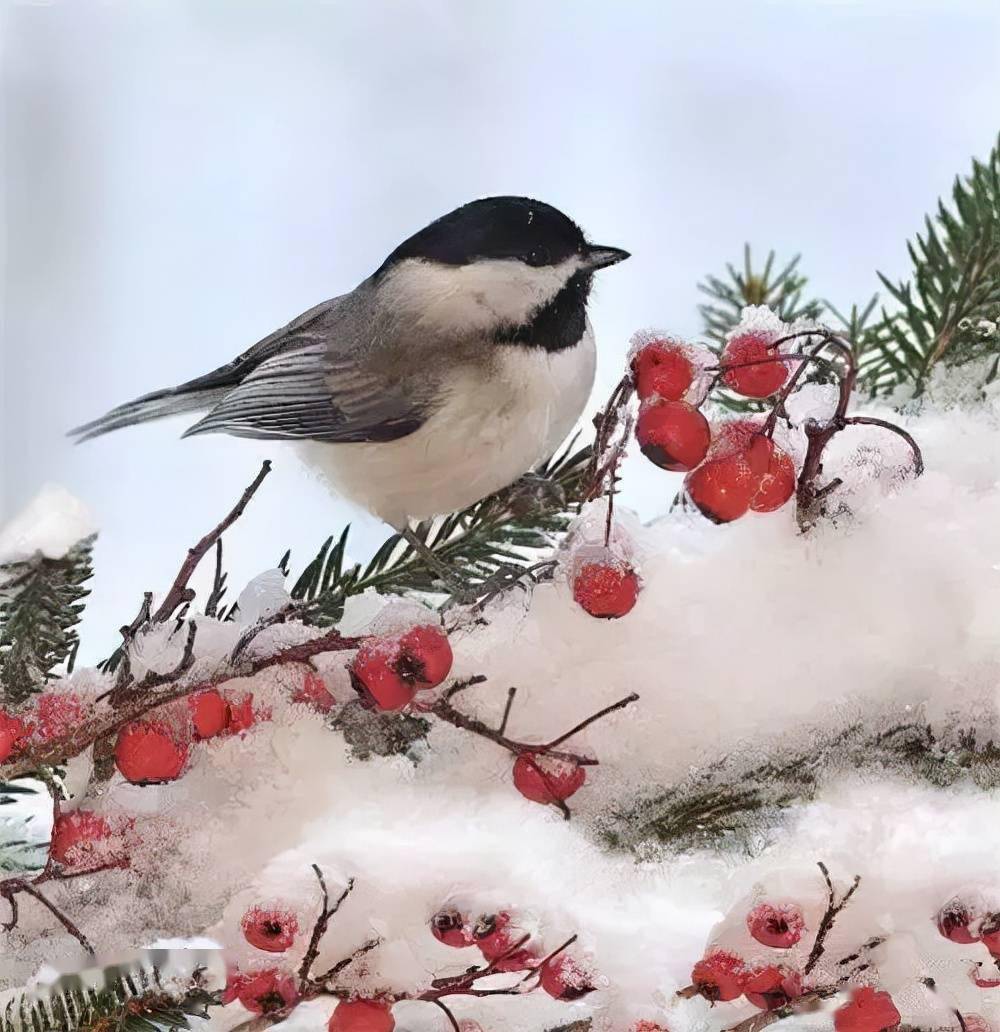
918,458
621,704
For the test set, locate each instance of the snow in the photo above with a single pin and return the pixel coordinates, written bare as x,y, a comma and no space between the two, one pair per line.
50,524
746,639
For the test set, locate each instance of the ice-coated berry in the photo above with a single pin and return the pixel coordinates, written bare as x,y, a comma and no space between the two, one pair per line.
989,933
547,779
720,976
867,1011
772,987
315,693
271,929
672,434
755,372
427,653
12,731
775,473
563,979
663,368
722,488
954,921
393,669
362,1016
495,935
452,928
985,976
147,753
607,590
262,992
243,714
82,840
776,925
209,713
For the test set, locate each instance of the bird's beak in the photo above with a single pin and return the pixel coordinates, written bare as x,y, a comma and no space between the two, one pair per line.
597,257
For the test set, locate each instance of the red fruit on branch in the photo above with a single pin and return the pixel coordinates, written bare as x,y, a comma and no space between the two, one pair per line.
778,926
82,840
720,976
989,933
547,779
563,979
12,731
362,1016
451,928
390,671
756,374
209,713
985,977
663,368
775,474
867,1011
722,489
494,934
607,590
672,434
269,928
772,987
315,693
954,922
243,715
146,753
262,992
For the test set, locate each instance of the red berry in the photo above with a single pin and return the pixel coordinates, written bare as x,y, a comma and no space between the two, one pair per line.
390,671
451,928
976,1023
954,920
209,713
494,935
58,713
315,693
753,381
12,730
777,926
362,1016
662,368
775,474
269,929
990,979
720,976
772,987
606,590
672,434
563,979
263,992
722,488
547,779
83,840
989,933
867,1011
146,753
242,715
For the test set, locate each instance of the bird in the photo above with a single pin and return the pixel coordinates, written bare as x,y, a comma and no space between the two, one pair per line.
452,371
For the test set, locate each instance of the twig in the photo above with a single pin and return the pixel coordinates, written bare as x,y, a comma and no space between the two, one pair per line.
366,947
15,885
511,692
179,592
218,583
322,922
918,458
833,908
453,1021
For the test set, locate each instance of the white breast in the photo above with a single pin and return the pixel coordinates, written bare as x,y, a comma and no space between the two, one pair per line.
483,438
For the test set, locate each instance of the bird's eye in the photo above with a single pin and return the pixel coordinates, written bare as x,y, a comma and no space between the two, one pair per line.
539,256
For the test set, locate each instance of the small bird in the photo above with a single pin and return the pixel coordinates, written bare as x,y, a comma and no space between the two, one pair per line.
461,363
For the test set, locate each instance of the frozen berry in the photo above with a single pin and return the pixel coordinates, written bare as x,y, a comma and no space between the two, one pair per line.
392,670
775,473
720,976
314,693
209,713
756,372
563,979
451,928
146,753
12,731
954,922
989,933
362,1016
772,987
547,779
83,840
263,992
985,976
777,926
607,590
58,713
243,715
662,368
269,929
672,434
495,935
722,488
867,1011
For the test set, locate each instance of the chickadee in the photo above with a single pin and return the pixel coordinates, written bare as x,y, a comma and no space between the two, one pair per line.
462,362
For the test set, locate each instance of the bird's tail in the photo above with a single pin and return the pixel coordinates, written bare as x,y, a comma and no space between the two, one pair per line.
157,405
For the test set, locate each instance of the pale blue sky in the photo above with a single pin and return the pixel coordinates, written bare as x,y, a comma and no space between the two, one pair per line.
183,177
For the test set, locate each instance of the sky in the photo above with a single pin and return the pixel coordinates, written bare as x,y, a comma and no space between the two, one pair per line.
182,178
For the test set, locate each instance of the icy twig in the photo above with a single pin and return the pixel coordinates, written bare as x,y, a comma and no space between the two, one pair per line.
321,925
833,909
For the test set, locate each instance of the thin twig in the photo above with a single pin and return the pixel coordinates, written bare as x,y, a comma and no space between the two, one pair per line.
833,908
322,922
511,692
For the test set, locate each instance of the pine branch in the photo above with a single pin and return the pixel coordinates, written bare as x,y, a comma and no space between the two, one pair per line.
500,531
949,312
41,602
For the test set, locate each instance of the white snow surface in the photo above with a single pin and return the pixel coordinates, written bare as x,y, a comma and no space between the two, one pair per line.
50,524
746,638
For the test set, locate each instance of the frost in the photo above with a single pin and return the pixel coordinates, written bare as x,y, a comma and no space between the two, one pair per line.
52,523
262,597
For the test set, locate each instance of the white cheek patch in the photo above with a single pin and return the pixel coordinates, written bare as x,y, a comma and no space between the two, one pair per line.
481,295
